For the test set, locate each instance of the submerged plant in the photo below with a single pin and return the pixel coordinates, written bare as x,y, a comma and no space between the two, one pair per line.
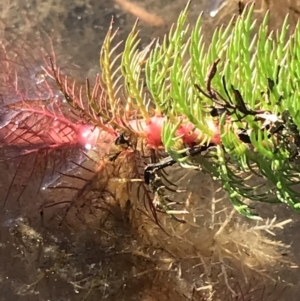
237,99
230,109
220,109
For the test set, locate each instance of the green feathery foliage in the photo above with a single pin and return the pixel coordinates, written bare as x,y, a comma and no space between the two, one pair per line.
251,78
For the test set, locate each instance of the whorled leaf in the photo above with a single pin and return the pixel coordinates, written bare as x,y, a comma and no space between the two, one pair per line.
252,79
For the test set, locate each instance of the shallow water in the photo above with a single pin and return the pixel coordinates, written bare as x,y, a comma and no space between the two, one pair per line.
101,259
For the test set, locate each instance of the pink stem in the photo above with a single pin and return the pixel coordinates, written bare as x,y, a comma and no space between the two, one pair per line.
39,128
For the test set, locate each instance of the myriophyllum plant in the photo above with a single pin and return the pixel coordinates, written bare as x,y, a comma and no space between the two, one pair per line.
229,108
238,99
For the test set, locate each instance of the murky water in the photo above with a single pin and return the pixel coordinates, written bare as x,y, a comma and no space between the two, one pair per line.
93,255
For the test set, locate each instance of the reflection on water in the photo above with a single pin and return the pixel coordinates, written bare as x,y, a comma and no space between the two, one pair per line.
47,258
215,6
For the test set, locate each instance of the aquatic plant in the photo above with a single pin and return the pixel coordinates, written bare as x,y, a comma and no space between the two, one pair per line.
237,99
220,108
234,103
